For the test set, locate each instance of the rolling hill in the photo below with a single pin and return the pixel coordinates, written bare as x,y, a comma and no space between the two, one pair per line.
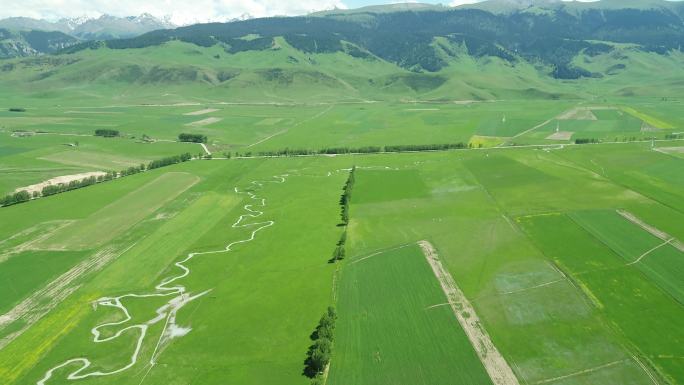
536,49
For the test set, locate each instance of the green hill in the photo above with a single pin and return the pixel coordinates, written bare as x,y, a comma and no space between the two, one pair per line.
399,52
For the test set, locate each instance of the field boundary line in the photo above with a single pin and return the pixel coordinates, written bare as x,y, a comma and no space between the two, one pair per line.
644,255
378,252
204,146
439,305
494,363
581,372
318,115
555,146
534,287
651,230
540,125
643,367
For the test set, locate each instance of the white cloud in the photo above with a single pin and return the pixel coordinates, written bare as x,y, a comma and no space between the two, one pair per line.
180,11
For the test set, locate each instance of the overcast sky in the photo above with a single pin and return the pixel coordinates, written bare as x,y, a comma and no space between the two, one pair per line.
180,11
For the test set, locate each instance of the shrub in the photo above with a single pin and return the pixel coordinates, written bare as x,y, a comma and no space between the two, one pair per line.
107,133
192,138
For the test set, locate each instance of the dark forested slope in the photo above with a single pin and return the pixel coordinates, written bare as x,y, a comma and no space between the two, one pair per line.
547,32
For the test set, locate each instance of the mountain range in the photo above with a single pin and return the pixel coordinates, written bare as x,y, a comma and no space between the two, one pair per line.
492,49
422,38
23,36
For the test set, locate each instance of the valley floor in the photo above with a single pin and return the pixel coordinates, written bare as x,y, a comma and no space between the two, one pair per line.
222,276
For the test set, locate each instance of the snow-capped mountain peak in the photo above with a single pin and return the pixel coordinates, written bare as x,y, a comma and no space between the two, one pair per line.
74,22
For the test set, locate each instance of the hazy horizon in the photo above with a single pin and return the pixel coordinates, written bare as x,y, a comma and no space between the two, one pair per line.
181,12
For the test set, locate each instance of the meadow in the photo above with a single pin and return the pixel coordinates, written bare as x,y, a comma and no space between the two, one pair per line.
500,219
54,140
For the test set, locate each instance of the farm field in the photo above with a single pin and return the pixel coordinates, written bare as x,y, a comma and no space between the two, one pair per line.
48,141
394,327
662,260
524,299
200,219
619,290
497,216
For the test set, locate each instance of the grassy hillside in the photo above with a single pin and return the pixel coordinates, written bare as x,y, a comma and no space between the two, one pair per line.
179,72
536,50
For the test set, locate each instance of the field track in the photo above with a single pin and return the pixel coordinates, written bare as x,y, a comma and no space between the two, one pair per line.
318,115
652,230
167,312
496,366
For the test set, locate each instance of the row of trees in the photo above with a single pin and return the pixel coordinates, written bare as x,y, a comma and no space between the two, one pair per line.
169,161
13,199
132,170
192,138
586,140
425,147
76,184
319,353
107,133
340,251
346,196
285,152
24,196
358,150
351,150
17,109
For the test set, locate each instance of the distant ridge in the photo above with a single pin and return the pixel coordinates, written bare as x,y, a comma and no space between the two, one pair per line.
533,50
104,27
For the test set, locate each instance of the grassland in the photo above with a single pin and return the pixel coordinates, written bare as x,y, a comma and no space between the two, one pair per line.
69,147
496,215
199,219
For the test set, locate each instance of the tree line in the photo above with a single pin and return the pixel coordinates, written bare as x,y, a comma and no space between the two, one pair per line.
346,196
319,353
318,356
25,196
76,184
107,133
340,251
586,140
358,150
169,161
192,138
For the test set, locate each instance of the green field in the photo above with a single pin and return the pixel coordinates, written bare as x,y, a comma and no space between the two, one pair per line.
618,291
557,313
216,270
389,333
658,259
